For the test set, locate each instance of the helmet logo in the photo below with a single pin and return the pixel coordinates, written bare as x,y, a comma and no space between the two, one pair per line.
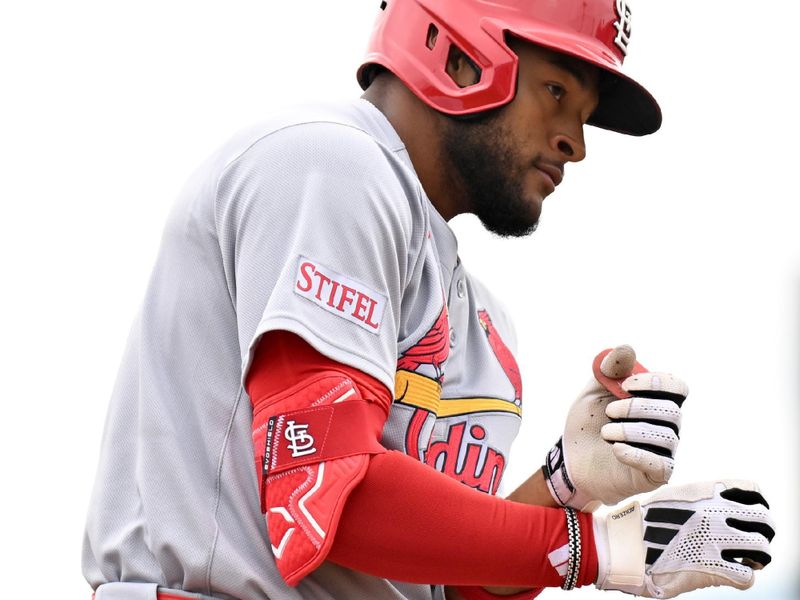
623,26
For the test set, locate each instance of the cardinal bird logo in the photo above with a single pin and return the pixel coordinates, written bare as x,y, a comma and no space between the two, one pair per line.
433,349
419,377
503,354
463,448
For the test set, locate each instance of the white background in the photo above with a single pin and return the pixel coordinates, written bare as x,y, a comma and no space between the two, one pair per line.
682,244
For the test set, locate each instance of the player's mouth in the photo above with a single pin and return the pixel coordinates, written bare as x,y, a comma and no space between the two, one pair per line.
552,172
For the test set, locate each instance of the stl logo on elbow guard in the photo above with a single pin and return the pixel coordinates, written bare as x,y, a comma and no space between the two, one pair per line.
340,295
301,443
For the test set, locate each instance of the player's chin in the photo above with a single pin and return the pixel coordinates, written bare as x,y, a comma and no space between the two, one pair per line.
534,202
529,208
516,220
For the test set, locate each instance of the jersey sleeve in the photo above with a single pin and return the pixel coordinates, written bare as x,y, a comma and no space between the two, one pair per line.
318,226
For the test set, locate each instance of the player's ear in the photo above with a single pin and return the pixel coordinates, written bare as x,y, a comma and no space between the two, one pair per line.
461,69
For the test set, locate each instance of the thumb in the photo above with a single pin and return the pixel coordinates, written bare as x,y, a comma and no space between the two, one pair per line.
612,366
619,363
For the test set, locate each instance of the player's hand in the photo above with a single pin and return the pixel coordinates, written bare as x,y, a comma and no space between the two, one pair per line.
620,436
685,538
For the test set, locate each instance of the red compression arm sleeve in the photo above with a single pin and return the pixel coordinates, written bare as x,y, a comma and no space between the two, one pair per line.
408,522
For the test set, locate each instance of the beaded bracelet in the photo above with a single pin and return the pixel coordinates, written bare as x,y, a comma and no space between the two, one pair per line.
574,561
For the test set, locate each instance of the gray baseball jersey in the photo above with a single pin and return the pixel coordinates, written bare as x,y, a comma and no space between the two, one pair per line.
315,223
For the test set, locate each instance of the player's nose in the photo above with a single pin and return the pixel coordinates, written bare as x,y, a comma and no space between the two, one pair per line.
571,147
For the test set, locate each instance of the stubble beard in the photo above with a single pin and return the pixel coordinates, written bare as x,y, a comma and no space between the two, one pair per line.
479,153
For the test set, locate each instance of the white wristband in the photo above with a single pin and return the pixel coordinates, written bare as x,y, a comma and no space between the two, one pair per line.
556,476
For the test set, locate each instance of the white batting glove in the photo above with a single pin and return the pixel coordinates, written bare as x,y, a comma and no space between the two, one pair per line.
620,436
685,538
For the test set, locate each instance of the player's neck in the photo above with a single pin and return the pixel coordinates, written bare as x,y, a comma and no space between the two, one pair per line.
419,127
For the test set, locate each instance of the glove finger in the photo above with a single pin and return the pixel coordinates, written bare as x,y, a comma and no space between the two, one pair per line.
736,490
657,469
736,484
764,526
650,410
657,385
750,514
652,438
743,543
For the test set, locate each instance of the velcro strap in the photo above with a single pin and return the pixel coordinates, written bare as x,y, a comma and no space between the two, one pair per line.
627,554
313,435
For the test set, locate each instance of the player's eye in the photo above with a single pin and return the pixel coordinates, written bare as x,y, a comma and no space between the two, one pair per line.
556,90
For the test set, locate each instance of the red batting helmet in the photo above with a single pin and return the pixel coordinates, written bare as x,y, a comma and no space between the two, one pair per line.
412,38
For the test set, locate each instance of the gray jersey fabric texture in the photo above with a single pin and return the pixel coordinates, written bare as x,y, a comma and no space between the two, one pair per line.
175,502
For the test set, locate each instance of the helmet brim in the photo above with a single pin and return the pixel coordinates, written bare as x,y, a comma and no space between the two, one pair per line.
625,106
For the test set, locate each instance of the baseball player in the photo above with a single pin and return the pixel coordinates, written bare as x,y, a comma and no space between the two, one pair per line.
317,400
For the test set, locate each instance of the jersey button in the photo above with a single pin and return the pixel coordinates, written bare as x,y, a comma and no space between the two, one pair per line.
461,288
452,337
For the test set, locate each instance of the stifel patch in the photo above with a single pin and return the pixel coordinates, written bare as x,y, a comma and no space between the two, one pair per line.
340,295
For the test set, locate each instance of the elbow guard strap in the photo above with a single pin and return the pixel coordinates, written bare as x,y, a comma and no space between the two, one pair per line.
312,445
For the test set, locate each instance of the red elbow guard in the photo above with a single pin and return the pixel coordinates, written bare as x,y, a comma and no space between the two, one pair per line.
312,444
